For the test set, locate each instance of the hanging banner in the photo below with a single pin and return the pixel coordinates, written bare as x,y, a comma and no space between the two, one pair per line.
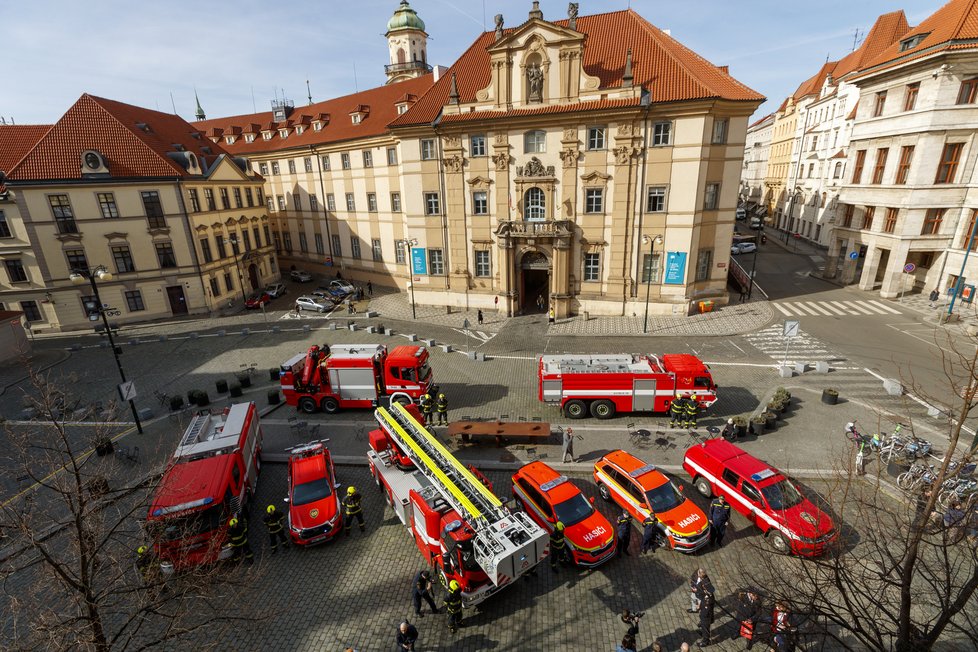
419,260
675,268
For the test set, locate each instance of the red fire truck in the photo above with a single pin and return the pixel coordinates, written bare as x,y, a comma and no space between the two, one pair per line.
210,478
624,382
328,378
461,528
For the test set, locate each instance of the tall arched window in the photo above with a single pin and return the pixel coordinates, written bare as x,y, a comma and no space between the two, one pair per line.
534,142
400,55
534,205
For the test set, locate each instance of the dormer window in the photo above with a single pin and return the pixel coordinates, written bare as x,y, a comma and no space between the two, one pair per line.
317,126
356,118
299,129
402,108
912,42
229,140
283,133
249,138
266,135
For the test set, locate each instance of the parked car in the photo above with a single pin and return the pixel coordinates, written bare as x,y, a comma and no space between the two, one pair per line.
300,276
549,497
740,214
767,498
257,299
756,223
743,248
642,489
276,290
314,506
313,303
341,286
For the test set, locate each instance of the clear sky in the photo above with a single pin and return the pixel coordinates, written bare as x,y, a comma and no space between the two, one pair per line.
142,51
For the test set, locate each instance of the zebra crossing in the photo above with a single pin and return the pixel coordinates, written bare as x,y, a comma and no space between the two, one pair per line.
802,348
478,335
835,308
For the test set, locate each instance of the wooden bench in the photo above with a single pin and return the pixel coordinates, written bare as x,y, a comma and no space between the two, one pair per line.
500,430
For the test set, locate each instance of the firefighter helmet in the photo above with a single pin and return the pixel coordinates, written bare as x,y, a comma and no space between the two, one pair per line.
560,526
351,490
141,550
233,522
441,396
453,585
271,509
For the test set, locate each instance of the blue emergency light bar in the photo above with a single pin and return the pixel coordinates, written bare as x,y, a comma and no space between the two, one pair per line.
642,470
556,482
762,475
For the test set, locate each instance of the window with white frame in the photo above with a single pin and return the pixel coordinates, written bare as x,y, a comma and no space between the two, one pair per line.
661,134
703,262
482,266
477,145
480,202
436,262
592,267
351,204
5,231
345,160
368,159
596,137
427,149
281,202
331,202
307,164
594,200
535,142
400,257
396,202
655,199
376,250
372,202
720,126
712,197
297,201
275,168
318,240
263,169
337,245
534,205
291,166
432,205
355,247
324,159
391,156
313,203
303,242
650,268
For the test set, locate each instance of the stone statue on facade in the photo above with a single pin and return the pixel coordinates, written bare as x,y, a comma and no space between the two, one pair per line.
535,168
534,78
572,15
499,26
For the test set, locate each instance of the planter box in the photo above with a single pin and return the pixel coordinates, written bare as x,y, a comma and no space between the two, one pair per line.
235,390
221,386
830,396
273,397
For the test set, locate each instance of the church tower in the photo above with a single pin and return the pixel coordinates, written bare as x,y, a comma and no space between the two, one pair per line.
408,45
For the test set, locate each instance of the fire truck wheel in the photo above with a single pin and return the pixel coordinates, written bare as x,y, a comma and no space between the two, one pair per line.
605,492
307,404
602,409
779,543
330,406
703,486
575,409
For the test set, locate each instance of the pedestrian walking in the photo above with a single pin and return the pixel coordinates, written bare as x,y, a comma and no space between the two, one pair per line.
350,308
495,302
407,636
339,277
370,289
934,296
624,532
706,618
422,591
628,644
453,604
441,405
238,539
540,302
749,613
552,316
650,533
558,546
719,516
352,509
479,317
275,522
698,578
568,445
677,412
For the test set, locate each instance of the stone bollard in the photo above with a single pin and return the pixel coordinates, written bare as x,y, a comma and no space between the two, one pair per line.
305,328
222,333
429,342
245,331
785,371
273,397
276,329
370,313
821,367
893,387
352,326
412,337
273,374
446,348
389,332
235,389
332,326
221,386
194,335
801,367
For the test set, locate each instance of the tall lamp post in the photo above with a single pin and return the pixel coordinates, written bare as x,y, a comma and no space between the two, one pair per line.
407,244
78,277
753,269
238,259
651,241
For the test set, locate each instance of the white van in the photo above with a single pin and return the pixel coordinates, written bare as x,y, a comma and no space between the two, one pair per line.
756,223
741,214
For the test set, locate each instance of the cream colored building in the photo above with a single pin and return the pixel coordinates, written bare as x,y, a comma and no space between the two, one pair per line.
532,168
139,192
779,167
757,154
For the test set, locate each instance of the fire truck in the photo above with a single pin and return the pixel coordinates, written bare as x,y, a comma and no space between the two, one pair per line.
459,525
606,384
210,478
328,378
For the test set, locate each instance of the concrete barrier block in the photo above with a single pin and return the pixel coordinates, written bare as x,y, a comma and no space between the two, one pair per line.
104,344
821,367
389,332
801,367
475,355
332,326
245,331
145,414
447,348
276,329
893,387
429,342
305,328
353,327
412,337
371,313
933,412
785,371
222,333
194,336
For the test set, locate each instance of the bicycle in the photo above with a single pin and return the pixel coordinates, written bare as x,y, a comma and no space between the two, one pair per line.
162,397
915,477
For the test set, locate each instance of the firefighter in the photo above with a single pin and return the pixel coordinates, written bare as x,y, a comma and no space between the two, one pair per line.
684,415
238,537
719,516
352,508
422,591
453,604
624,532
692,410
677,412
426,405
274,521
558,546
650,533
442,406
144,564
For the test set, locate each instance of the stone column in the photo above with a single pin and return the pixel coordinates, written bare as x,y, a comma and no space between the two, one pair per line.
868,278
894,279
458,228
832,258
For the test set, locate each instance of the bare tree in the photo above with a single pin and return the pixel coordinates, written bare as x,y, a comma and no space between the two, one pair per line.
72,582
903,576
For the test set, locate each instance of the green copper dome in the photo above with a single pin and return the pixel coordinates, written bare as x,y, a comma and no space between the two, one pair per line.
405,18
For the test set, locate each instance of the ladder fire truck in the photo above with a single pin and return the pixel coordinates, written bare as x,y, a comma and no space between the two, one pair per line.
459,525
623,382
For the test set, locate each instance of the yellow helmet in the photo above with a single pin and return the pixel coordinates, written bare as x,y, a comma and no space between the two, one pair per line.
560,526
441,396
141,550
453,585
233,522
351,490
270,509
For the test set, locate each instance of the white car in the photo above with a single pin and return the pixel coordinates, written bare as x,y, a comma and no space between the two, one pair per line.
275,290
314,304
337,285
743,248
300,276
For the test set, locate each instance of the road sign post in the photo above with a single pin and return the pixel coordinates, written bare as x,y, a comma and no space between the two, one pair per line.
465,327
790,329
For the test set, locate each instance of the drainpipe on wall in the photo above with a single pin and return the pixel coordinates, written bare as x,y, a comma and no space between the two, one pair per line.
647,101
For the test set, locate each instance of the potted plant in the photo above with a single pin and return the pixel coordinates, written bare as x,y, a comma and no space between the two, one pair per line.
244,379
775,406
770,420
202,399
740,427
176,403
759,423
830,396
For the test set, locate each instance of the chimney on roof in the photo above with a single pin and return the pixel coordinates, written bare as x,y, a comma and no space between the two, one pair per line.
535,12
627,78
724,69
200,111
453,91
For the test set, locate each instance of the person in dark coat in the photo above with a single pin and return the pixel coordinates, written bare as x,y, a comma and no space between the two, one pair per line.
650,533
748,614
624,532
422,591
719,515
407,636
707,603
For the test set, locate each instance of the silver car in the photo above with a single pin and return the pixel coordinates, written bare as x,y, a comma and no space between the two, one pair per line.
314,304
275,290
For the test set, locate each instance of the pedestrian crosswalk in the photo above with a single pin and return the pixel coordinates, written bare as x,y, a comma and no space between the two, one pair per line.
836,308
801,348
478,335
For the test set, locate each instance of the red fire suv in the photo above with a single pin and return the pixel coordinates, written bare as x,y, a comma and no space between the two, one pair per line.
314,506
762,494
549,497
640,488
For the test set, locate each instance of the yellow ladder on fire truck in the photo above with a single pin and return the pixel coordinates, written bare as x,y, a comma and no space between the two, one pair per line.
469,495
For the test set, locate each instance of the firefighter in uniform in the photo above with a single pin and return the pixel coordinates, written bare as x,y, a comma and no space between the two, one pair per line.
650,533
426,405
144,564
558,546
352,509
692,410
453,604
624,532
275,522
238,537
677,412
442,406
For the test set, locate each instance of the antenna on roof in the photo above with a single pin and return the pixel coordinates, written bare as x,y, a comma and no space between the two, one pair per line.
856,37
308,92
356,84
173,104
254,107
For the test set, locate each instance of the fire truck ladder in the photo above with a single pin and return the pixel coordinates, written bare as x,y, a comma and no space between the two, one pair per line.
198,424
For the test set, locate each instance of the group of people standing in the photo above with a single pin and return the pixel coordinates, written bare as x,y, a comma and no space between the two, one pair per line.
683,411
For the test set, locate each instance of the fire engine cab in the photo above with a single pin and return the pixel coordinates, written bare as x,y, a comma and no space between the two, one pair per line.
459,525
606,384
210,478
328,378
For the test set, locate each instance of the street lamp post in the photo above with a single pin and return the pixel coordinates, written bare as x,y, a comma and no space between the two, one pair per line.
78,276
238,259
753,269
407,244
651,241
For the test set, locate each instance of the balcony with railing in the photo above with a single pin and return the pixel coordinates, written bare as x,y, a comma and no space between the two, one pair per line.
407,66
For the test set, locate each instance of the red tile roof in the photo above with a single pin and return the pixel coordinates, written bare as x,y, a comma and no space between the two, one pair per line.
669,70
17,140
113,129
887,30
950,27
813,85
379,104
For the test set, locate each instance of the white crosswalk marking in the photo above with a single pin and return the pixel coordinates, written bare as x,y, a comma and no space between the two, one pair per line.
803,348
479,335
835,308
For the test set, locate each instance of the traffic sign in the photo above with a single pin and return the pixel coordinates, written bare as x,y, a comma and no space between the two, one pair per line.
853,255
127,390
791,328
909,268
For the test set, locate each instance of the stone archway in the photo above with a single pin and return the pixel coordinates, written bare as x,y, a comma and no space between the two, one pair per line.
534,285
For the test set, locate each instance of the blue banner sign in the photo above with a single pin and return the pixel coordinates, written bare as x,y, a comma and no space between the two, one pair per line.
675,267
419,260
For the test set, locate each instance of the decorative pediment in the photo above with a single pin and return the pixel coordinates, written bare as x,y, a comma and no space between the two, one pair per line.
73,238
534,28
217,225
535,168
595,178
242,220
159,231
453,163
200,228
253,219
479,183
115,235
230,221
